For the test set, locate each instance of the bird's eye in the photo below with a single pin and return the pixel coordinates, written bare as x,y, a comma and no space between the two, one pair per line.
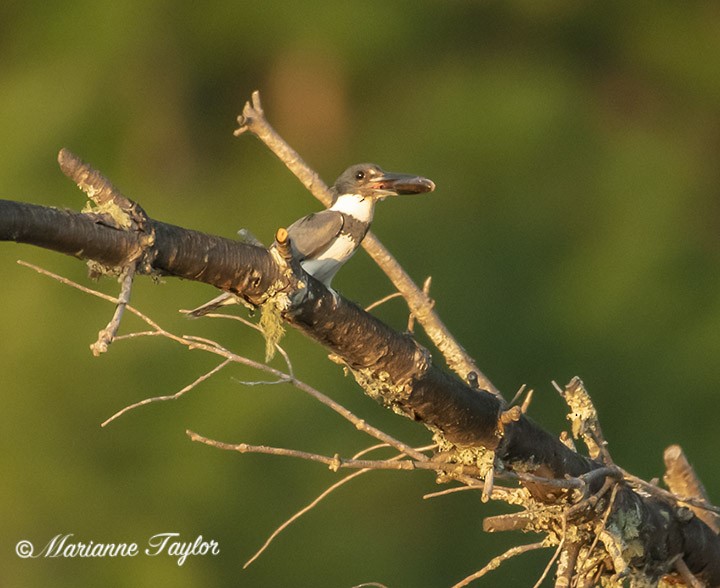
360,175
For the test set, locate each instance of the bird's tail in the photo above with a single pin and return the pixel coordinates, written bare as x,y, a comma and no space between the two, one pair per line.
224,299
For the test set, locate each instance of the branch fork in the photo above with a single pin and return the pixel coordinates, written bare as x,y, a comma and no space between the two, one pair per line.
117,211
565,493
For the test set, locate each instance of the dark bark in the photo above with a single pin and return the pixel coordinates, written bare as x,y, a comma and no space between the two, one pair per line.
392,367
425,393
183,253
64,231
246,270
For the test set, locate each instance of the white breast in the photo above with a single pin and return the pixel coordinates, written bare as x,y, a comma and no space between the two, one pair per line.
325,266
355,205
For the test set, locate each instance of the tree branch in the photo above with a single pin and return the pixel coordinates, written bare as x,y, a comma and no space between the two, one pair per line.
645,534
253,120
183,253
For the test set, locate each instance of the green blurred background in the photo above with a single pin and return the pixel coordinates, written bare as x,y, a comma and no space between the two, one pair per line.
574,231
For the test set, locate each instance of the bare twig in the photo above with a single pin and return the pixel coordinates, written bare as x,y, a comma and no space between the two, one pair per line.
253,120
426,291
109,333
542,577
569,483
80,287
450,491
302,511
360,424
518,394
524,407
116,210
315,502
336,462
212,347
383,300
495,562
488,485
558,551
262,382
661,492
255,327
590,501
175,396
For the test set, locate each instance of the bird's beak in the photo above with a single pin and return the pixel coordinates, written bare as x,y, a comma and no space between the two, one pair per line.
390,184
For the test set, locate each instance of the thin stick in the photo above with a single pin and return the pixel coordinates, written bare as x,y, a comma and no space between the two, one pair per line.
262,382
655,490
255,327
426,291
495,562
109,333
336,462
302,511
212,347
450,491
542,577
312,504
188,341
383,301
360,424
175,396
253,120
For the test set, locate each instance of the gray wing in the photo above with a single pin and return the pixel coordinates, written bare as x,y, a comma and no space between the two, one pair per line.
311,234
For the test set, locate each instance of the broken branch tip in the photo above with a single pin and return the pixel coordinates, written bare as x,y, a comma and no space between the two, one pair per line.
281,236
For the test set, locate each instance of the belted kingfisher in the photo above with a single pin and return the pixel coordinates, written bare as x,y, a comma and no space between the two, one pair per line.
323,241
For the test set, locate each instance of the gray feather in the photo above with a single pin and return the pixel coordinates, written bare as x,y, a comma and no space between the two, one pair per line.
312,234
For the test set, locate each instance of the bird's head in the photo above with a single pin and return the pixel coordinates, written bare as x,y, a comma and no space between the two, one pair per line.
371,181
